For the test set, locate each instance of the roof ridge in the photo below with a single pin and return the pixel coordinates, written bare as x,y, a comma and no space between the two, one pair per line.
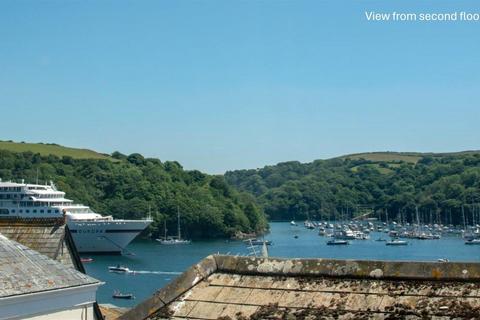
347,268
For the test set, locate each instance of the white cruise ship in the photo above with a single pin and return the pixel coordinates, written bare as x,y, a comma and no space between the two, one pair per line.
92,232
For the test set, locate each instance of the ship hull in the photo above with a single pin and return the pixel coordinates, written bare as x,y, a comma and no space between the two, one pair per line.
105,237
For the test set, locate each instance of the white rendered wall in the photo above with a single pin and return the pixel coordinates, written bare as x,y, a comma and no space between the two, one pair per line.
83,313
48,303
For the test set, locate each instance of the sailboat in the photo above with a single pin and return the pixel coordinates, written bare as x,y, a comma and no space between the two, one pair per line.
173,240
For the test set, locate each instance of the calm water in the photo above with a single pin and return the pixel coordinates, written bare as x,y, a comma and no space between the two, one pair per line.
156,265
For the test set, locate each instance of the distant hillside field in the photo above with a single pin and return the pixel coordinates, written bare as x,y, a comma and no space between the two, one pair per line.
398,157
385,157
51,149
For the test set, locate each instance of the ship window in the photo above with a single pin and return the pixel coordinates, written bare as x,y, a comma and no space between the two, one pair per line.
49,211
42,211
34,210
21,211
27,211
13,210
56,210
3,211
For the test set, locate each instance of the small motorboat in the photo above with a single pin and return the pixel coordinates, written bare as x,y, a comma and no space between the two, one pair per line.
443,260
293,223
396,242
119,269
86,260
295,236
473,242
118,295
337,242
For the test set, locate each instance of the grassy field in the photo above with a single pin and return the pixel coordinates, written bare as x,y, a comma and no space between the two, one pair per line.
52,149
393,159
386,156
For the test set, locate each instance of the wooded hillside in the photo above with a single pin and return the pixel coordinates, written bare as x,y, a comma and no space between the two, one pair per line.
131,186
439,184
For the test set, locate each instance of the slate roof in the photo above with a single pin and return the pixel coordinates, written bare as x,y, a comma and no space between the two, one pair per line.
228,287
49,237
23,271
46,236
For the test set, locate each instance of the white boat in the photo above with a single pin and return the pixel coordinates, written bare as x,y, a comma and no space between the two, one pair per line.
345,234
337,242
309,225
473,242
91,232
119,269
396,242
173,240
359,235
293,223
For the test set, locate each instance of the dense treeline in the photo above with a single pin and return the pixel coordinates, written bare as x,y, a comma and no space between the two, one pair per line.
445,188
131,186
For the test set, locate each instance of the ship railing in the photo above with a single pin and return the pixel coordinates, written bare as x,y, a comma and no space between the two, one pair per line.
92,220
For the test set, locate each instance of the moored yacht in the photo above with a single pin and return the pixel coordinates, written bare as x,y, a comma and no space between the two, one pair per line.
91,232
174,240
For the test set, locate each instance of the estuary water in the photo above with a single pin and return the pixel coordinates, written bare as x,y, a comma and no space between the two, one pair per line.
155,265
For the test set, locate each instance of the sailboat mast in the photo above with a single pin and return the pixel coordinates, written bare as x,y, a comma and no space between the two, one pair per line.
418,220
165,228
178,223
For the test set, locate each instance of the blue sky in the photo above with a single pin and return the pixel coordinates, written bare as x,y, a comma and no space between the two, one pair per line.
220,85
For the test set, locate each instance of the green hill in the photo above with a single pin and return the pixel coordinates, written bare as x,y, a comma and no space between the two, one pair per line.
51,149
132,186
440,184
